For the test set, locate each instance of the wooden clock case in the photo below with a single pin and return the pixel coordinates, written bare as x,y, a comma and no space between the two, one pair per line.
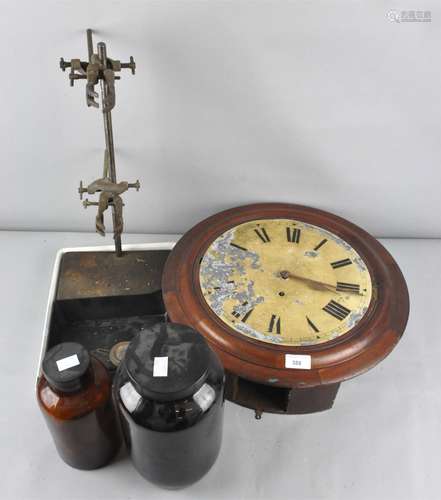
256,373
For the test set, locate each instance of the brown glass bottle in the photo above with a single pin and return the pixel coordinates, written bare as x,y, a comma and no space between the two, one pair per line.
74,394
171,413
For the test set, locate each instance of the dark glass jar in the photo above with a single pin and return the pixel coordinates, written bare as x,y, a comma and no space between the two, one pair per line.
170,394
75,396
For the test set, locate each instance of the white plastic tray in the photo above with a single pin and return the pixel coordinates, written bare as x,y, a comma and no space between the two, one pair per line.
168,245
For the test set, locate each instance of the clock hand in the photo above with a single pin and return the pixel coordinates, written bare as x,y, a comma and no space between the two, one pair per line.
317,285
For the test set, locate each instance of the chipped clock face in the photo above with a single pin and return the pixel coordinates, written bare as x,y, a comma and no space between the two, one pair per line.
285,282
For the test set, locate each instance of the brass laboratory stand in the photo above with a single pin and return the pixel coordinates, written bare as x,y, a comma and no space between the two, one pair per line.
101,68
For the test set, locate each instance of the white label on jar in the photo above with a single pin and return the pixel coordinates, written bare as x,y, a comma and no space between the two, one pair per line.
129,396
160,366
204,397
69,362
298,361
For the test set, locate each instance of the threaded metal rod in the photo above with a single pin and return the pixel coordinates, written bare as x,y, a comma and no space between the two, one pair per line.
89,43
108,133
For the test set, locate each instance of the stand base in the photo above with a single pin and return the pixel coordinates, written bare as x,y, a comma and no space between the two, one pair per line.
103,274
102,301
288,401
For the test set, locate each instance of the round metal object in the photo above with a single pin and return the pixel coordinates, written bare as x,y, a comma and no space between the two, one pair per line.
117,353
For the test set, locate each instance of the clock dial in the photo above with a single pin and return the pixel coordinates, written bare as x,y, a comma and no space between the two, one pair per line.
285,282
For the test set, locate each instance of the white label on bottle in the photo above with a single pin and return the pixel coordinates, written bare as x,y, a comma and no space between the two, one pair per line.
160,366
129,396
205,396
69,362
298,361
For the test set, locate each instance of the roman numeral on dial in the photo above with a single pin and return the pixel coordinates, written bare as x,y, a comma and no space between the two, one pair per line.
341,263
293,234
231,282
320,244
237,314
239,247
274,324
247,315
337,310
263,235
347,287
311,324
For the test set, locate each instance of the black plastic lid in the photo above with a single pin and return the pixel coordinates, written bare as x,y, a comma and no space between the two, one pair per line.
65,366
178,376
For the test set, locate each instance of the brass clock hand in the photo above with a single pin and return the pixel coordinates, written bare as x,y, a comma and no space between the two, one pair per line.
317,285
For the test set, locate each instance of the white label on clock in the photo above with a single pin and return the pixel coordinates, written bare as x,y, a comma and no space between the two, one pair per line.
69,362
298,361
160,366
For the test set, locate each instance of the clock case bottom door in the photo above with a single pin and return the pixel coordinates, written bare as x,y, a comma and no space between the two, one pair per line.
283,400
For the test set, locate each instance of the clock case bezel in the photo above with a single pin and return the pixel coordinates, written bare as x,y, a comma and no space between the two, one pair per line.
342,358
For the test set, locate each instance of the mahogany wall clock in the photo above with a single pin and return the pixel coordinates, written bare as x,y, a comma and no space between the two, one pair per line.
294,300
